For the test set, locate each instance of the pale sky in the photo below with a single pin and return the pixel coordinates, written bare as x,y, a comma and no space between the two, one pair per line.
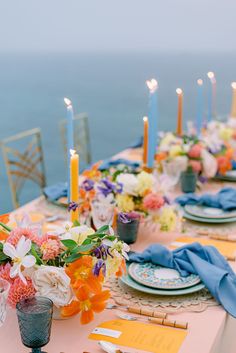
82,25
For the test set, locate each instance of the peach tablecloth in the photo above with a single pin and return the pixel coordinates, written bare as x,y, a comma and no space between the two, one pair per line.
212,331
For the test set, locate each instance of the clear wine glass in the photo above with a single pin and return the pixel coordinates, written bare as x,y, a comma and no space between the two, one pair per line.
35,319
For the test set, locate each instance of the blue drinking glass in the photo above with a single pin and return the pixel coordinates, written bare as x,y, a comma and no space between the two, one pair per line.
35,320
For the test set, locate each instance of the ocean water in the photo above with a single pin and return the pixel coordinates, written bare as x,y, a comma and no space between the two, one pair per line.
110,87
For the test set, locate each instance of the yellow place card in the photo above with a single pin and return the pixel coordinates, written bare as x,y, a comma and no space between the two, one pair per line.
226,248
147,337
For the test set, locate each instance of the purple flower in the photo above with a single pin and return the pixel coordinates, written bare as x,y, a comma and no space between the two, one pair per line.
100,265
106,187
101,252
73,206
87,184
202,179
128,217
119,188
167,200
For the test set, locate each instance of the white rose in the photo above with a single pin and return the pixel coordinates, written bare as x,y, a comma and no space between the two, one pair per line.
53,283
129,182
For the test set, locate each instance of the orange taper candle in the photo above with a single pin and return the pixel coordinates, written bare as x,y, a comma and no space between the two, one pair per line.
74,183
179,129
233,106
145,140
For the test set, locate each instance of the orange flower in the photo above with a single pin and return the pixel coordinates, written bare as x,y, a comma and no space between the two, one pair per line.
224,164
122,269
80,273
4,218
93,173
86,304
160,156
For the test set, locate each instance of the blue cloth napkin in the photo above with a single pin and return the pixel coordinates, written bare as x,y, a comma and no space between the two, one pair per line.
225,199
111,163
54,192
204,261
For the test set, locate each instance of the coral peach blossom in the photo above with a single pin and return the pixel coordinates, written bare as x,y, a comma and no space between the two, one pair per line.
195,151
17,233
196,166
153,201
50,248
19,291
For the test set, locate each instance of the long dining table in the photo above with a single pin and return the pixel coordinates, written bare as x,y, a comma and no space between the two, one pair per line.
210,331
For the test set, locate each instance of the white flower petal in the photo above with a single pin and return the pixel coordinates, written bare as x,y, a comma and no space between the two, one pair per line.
28,261
9,250
23,247
22,277
14,271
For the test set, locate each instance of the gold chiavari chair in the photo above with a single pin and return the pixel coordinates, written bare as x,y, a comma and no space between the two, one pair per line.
24,161
81,137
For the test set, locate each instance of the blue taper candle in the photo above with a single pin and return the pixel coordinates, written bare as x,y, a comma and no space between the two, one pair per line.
200,107
70,140
211,76
153,121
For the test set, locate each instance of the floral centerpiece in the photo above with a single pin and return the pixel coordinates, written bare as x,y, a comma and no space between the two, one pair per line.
70,269
178,154
104,195
220,140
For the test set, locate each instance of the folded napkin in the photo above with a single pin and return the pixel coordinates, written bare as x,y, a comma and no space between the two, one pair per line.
204,261
225,199
54,192
106,164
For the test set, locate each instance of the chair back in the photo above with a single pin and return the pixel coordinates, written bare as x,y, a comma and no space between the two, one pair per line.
24,161
81,138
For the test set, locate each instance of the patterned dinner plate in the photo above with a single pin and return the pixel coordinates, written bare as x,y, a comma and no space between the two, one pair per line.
208,220
159,277
128,281
209,212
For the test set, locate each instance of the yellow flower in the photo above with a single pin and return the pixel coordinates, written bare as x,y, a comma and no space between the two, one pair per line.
168,219
125,203
78,234
175,151
145,183
112,265
226,133
167,139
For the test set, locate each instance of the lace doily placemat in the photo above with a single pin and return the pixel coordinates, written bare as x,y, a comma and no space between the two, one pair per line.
195,302
206,229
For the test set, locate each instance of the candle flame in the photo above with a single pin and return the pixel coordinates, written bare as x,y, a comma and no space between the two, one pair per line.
210,75
200,82
72,152
67,102
145,118
152,84
179,91
233,85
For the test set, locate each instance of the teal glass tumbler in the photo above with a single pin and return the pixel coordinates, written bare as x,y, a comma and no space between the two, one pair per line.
35,320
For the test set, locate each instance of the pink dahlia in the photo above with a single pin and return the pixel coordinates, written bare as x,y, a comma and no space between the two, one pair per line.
19,291
153,201
17,233
195,151
5,272
50,247
196,165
